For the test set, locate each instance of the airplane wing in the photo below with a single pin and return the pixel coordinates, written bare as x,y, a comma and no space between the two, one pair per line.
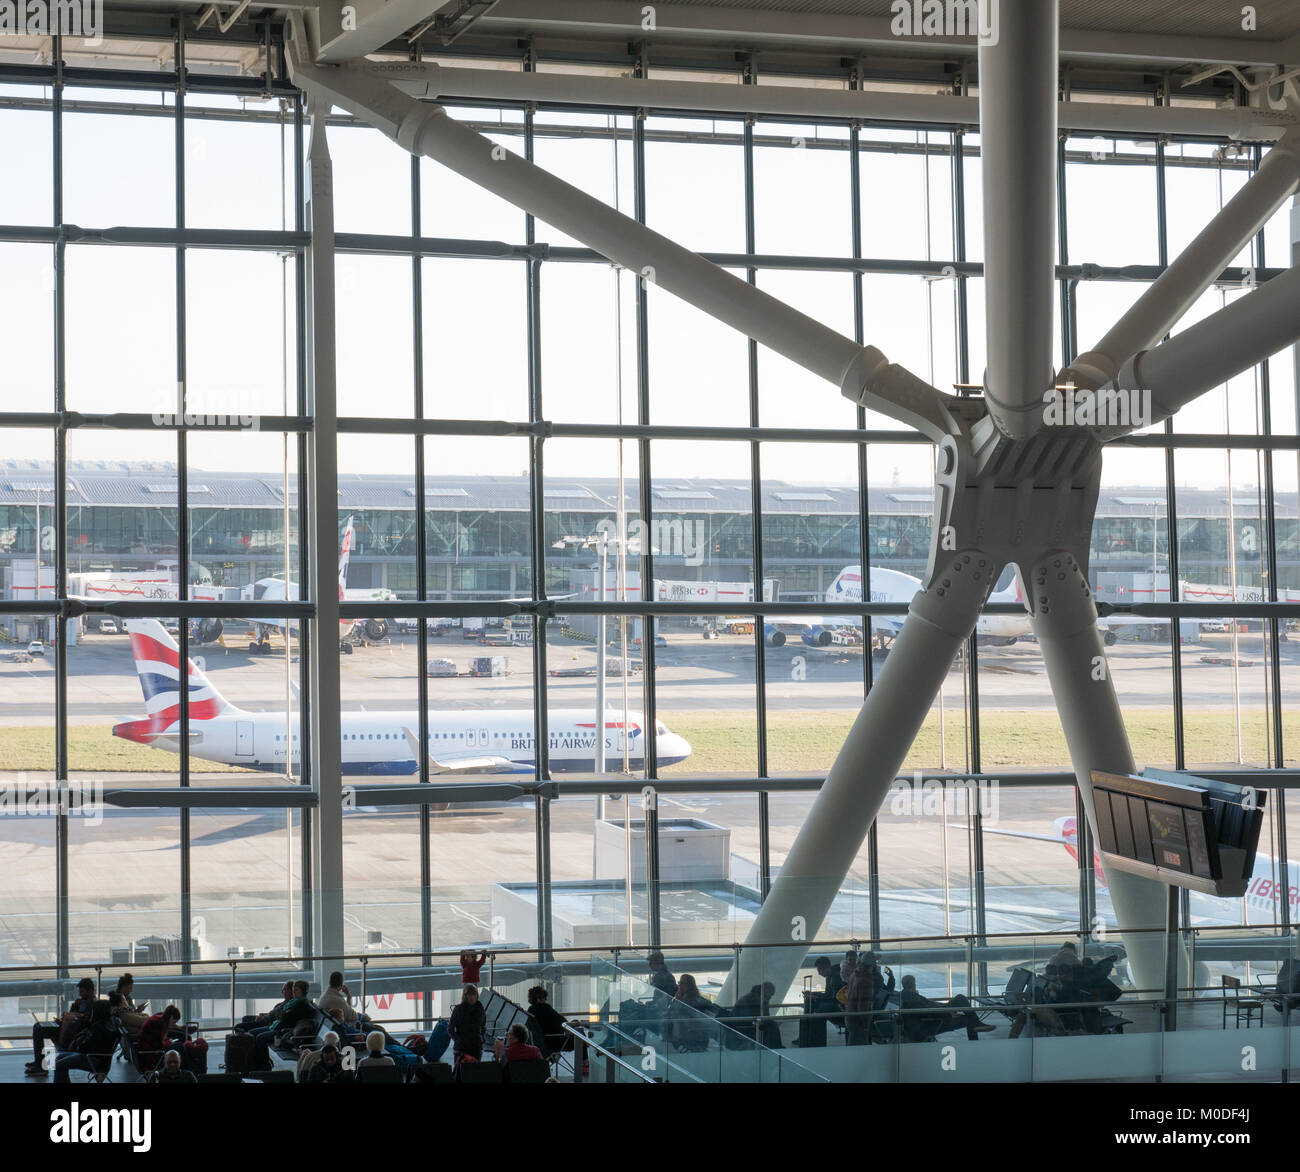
464,762
1029,834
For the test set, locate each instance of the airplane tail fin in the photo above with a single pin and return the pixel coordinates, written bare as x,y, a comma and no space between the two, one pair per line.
847,585
157,663
1014,592
345,555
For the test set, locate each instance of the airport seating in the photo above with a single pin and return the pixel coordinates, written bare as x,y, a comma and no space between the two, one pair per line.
480,1072
380,1074
273,1076
1232,999
435,1072
528,1070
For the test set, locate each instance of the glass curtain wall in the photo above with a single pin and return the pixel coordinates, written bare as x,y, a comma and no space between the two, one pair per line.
586,491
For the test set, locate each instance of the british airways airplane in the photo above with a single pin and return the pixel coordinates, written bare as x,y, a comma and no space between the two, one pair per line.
895,586
374,743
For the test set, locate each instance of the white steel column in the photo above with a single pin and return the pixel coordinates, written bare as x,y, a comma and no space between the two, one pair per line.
938,622
1065,622
1018,97
322,528
1197,267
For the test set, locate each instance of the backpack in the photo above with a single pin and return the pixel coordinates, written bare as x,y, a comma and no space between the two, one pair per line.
194,1055
417,1043
403,1057
438,1042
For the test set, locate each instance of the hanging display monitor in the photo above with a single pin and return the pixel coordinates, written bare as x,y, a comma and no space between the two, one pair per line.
1192,832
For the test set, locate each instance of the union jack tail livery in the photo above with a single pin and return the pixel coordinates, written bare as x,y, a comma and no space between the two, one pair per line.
157,663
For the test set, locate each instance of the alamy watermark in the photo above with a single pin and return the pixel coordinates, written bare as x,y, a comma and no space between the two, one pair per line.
43,798
945,18
941,797
675,538
82,19
1069,406
210,408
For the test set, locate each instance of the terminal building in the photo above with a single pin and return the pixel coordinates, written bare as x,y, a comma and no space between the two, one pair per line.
772,526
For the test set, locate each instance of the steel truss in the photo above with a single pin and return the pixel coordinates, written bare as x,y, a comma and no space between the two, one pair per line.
1014,485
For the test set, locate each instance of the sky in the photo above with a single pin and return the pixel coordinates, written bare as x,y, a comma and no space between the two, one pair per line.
121,303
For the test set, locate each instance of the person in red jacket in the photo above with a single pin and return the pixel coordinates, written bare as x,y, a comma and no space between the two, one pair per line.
155,1037
517,1048
471,964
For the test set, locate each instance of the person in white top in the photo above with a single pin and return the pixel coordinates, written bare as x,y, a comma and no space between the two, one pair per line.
375,1055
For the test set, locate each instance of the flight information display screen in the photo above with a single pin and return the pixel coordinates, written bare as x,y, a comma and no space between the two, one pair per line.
1168,837
1199,833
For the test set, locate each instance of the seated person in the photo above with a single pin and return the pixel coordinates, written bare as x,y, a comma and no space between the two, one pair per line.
663,981
688,1028
337,1002
952,1014
156,1036
253,1021
171,1070
308,1058
516,1047
329,1068
375,1055
828,1001
92,1048
61,1032
129,1014
550,1021
754,1005
1047,990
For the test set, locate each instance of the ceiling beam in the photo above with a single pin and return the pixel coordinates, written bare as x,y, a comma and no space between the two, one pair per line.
851,35
370,25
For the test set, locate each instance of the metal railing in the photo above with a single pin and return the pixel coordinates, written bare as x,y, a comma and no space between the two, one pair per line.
201,979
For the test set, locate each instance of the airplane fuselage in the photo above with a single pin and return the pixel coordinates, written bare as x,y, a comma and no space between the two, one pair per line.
374,743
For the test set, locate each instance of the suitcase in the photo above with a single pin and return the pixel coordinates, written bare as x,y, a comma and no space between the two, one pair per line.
812,1030
241,1049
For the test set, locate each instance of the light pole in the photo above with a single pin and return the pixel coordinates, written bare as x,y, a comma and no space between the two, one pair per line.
602,544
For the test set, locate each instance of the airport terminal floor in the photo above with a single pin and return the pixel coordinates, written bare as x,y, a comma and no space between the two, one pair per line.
748,545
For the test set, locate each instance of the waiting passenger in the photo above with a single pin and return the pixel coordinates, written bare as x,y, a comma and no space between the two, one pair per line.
253,1021
550,1021
516,1047
92,1047
1067,956
847,965
61,1032
337,1002
297,1010
660,977
172,1070
156,1036
689,1027
953,1014
308,1058
881,989
375,1055
834,982
329,1068
131,1015
468,1025
752,1010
